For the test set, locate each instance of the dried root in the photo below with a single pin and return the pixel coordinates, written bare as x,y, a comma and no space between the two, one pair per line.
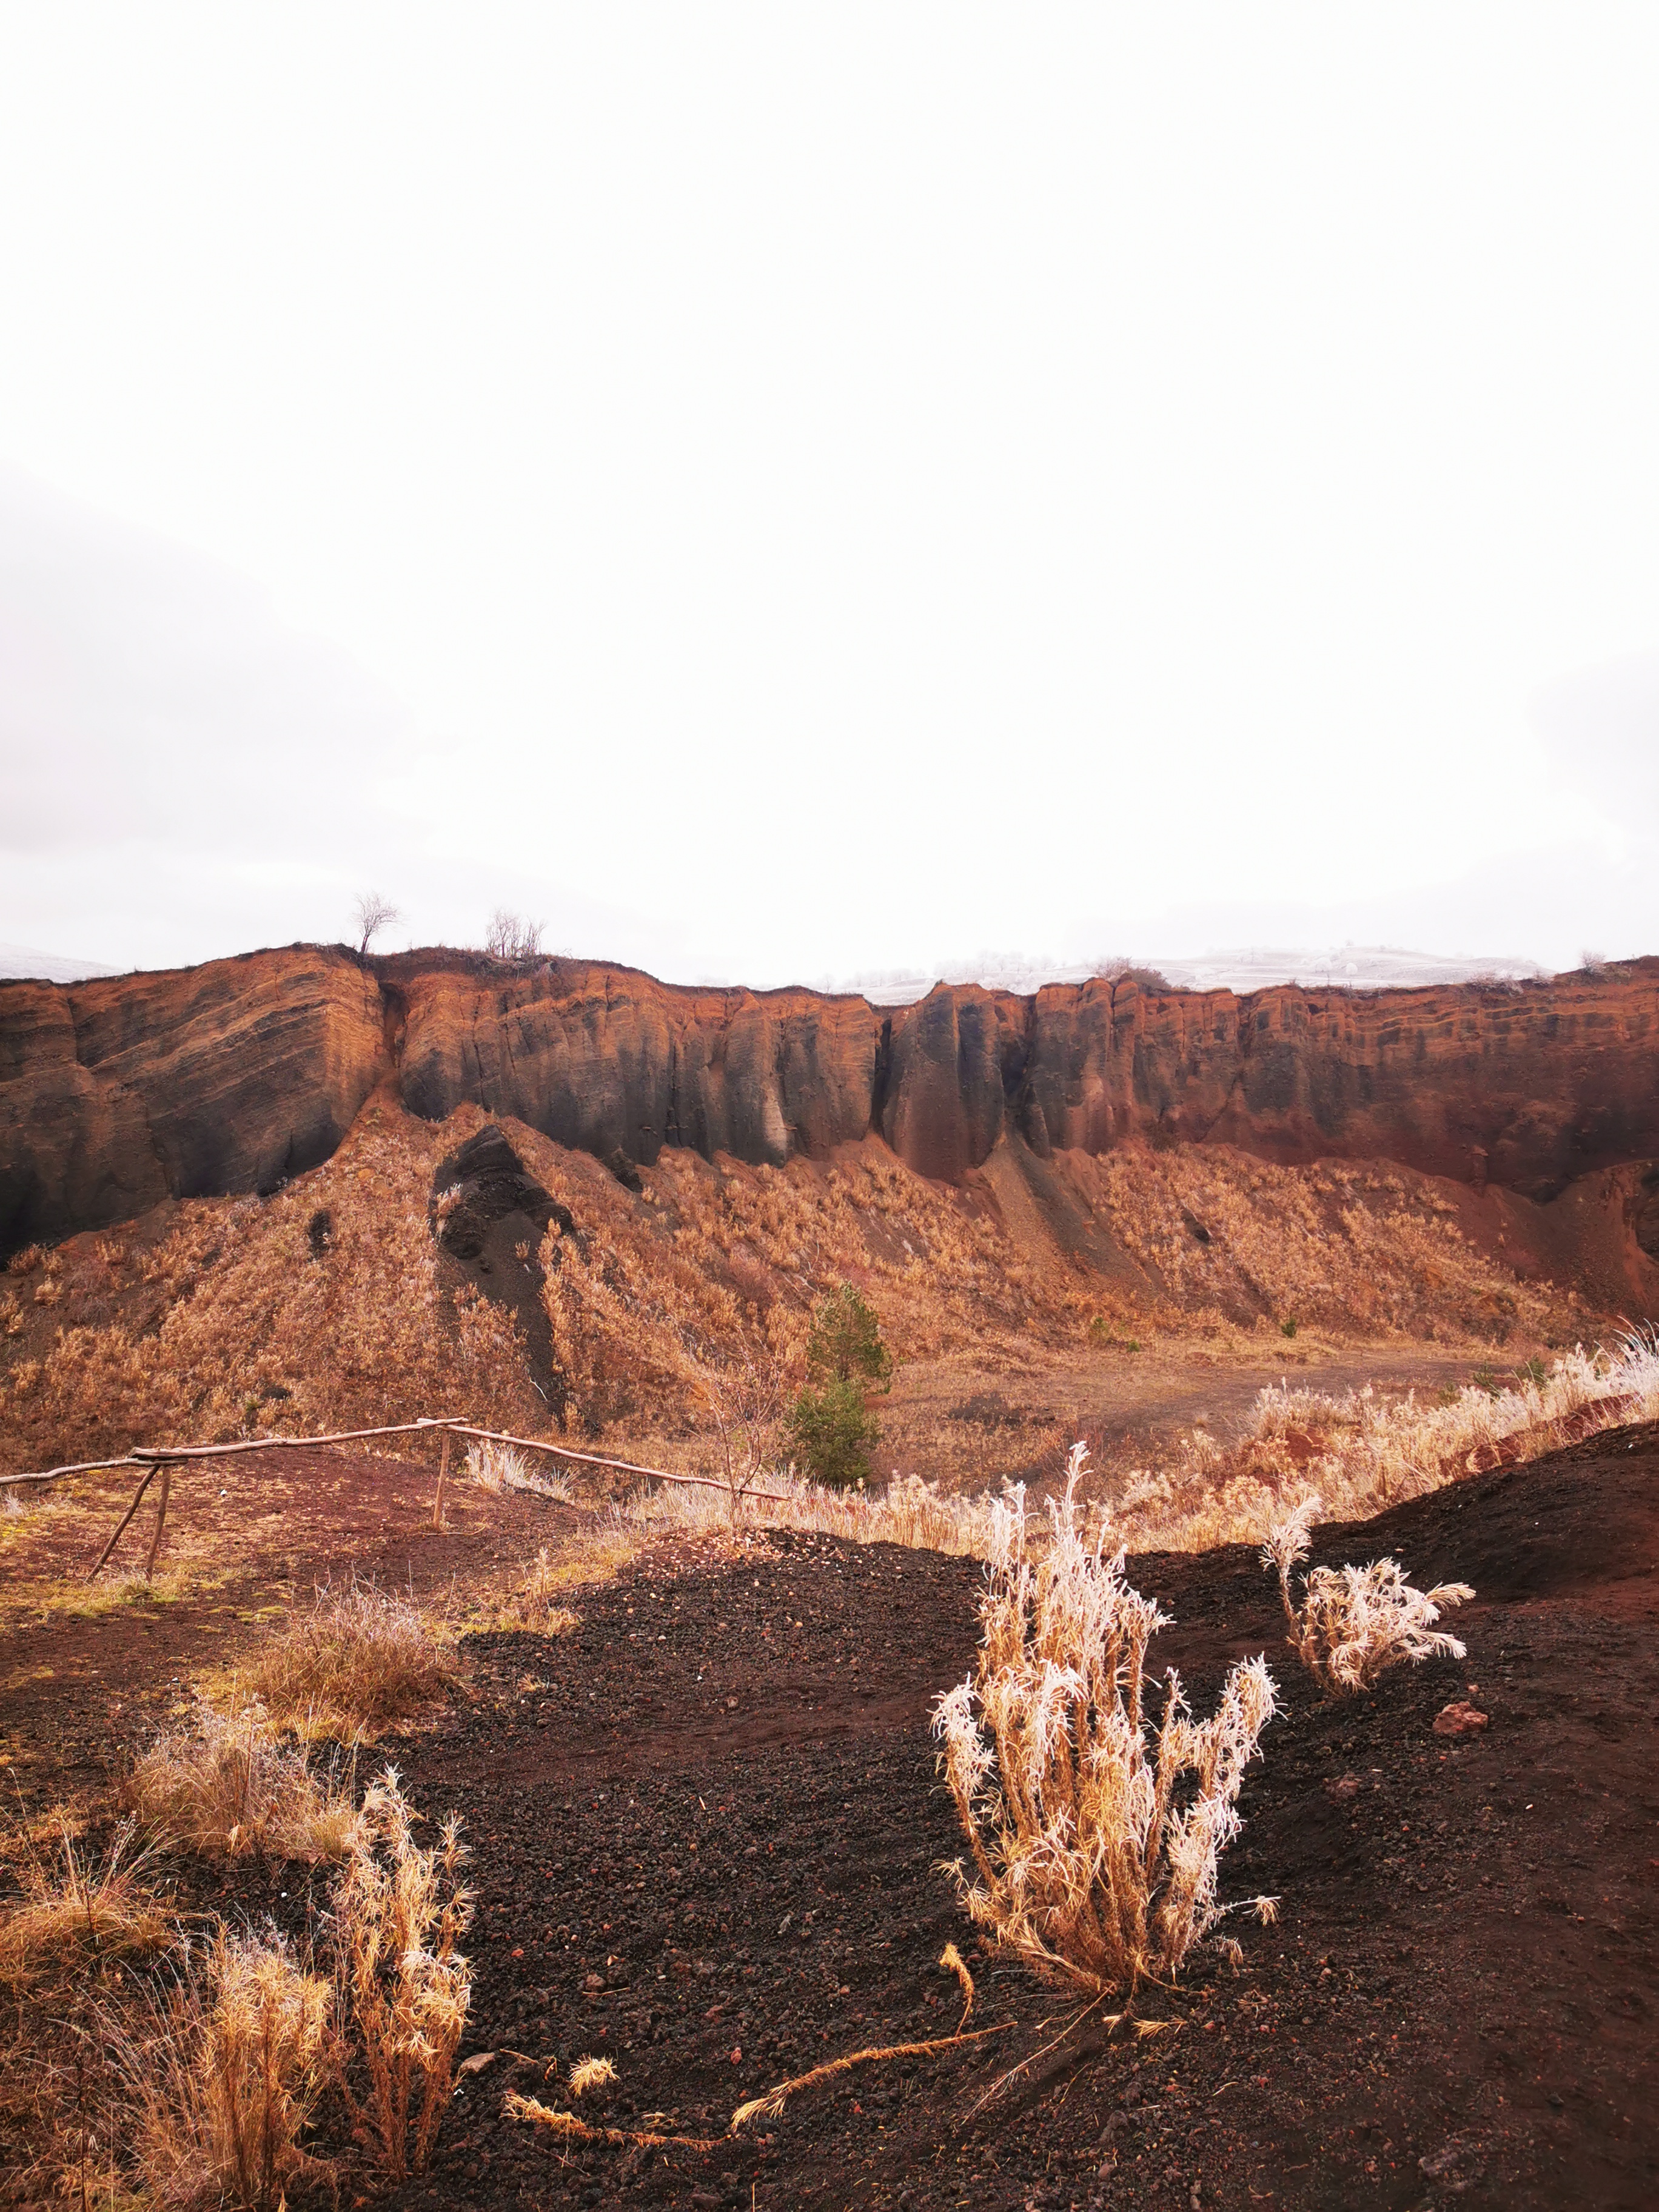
953,1963
575,2131
768,2106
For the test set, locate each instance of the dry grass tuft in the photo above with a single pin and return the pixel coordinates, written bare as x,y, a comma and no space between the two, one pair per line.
496,1466
228,2079
907,1510
228,1784
590,2076
74,1909
1093,1861
535,1606
357,1659
399,1912
1354,1623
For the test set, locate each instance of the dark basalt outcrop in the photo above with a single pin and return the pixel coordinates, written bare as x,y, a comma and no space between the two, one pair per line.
489,1214
119,1091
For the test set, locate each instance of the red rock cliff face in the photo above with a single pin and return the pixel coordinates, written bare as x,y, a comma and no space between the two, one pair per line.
122,1092
605,1060
116,1093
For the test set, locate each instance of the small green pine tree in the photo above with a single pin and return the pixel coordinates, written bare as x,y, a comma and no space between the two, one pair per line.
831,1430
845,1344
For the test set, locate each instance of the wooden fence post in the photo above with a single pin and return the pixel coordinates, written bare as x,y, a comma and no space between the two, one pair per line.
121,1524
160,1520
443,1469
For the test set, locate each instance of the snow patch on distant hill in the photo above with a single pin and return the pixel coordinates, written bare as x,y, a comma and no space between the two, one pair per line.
1255,968
48,967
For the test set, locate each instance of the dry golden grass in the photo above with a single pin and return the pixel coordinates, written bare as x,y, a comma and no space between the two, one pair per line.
75,1910
352,1662
398,1914
1093,1858
1365,1452
1353,1624
590,2077
906,1511
227,1783
1371,1249
225,2079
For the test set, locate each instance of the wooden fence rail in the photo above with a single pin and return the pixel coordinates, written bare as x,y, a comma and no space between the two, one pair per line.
163,1458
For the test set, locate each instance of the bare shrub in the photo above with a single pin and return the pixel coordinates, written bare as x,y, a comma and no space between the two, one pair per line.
744,1393
238,2055
229,1784
373,912
75,1908
1096,1859
406,1989
512,937
1354,1623
354,1660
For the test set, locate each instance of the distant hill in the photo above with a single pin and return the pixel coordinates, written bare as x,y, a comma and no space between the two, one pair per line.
49,967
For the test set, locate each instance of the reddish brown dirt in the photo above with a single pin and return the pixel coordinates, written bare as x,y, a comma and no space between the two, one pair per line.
251,1533
1458,2000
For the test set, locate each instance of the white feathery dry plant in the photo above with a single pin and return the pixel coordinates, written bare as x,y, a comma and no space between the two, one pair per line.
495,1466
227,2080
1354,1623
1096,1856
405,1989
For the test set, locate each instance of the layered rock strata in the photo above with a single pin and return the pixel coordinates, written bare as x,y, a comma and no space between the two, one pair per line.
121,1091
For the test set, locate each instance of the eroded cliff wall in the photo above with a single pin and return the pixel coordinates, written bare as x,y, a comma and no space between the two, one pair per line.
118,1092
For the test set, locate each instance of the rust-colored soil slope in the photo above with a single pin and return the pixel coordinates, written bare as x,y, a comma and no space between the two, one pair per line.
1039,1300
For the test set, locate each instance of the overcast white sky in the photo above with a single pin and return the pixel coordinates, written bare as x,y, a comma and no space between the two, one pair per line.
781,491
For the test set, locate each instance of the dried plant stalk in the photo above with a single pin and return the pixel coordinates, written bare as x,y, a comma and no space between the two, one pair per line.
1354,1623
398,1914
1093,1857
573,2130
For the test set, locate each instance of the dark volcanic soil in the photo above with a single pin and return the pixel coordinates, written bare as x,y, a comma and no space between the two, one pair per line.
706,1829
